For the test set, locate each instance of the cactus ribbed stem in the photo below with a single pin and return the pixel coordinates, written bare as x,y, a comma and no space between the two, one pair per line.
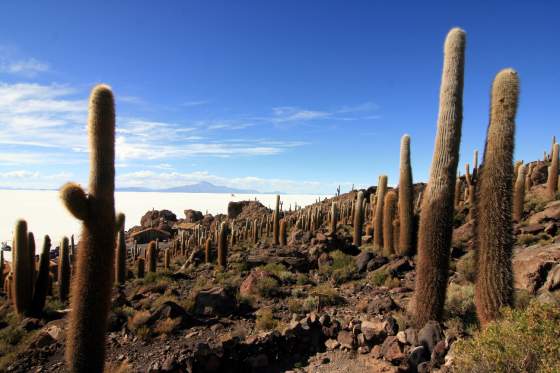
494,228
21,268
358,219
378,219
552,181
389,206
64,270
406,208
436,218
519,194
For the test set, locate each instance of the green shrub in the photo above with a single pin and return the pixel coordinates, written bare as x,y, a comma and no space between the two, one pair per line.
328,296
467,266
295,305
459,305
342,269
378,277
265,319
527,239
522,341
267,287
280,271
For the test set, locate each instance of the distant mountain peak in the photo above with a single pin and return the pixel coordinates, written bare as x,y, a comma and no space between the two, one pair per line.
200,187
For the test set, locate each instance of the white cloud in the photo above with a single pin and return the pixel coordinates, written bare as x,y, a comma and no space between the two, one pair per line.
155,180
28,67
32,179
195,103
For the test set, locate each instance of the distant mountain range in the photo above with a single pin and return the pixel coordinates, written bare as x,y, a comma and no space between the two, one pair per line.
202,187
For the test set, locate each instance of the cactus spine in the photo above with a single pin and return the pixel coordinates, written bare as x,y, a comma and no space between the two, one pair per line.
120,261
552,181
222,246
519,194
378,219
494,227
358,219
276,226
388,215
152,257
436,218
22,285
406,229
64,270
91,289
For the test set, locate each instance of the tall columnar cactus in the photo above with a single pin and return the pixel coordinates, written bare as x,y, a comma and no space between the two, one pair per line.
494,228
470,185
152,257
334,219
388,216
436,218
31,251
64,270
207,248
283,232
42,282
222,246
516,166
378,219
458,188
519,194
475,165
93,280
140,267
276,224
358,219
1,268
166,259
22,285
552,181
120,260
406,208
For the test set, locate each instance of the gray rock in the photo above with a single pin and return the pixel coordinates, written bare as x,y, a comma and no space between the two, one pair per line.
362,260
430,335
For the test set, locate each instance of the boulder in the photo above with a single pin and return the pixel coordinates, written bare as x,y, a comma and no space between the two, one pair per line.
376,262
417,356
193,216
374,331
551,212
346,339
381,304
392,350
531,229
430,335
362,260
531,265
553,279
539,173
215,302
153,218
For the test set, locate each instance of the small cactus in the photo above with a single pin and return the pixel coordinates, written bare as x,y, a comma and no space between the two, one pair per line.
22,285
378,219
152,257
334,219
64,270
283,232
406,195
276,224
167,259
120,260
388,216
140,267
207,248
222,246
358,219
519,194
552,181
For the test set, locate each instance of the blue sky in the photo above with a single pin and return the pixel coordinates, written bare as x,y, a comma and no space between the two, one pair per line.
297,96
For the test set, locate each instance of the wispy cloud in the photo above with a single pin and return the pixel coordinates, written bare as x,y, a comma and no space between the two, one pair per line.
195,103
12,63
32,179
152,179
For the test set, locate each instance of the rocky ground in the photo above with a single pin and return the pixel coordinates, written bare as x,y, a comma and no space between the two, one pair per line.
316,304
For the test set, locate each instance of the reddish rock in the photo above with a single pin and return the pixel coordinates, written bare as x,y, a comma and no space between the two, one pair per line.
532,264
392,350
550,212
531,229
193,216
346,339
249,285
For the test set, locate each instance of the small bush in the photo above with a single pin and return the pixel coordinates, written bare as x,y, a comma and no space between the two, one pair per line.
295,305
265,319
303,279
378,277
138,320
522,341
279,271
328,296
534,205
267,287
459,305
342,269
466,266
392,282
167,326
310,304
